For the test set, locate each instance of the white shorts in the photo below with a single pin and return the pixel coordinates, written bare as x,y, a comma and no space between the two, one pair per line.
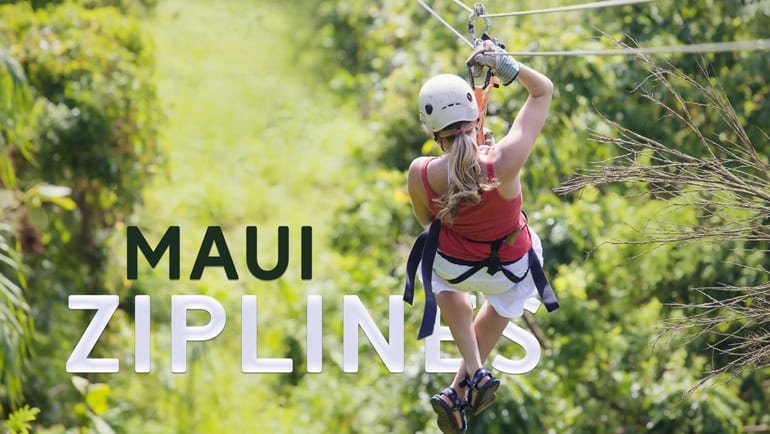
506,297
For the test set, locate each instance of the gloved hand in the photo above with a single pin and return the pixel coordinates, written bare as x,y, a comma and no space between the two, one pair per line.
503,66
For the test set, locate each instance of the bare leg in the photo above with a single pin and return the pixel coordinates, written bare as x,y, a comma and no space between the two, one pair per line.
488,328
475,339
457,312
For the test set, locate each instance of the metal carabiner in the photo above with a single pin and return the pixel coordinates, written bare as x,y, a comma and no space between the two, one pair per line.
478,11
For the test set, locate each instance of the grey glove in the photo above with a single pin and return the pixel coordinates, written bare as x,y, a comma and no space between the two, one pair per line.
503,66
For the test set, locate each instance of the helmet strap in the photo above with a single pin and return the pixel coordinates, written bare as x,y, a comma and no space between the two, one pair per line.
451,133
446,134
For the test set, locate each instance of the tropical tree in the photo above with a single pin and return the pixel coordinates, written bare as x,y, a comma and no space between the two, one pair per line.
15,324
727,181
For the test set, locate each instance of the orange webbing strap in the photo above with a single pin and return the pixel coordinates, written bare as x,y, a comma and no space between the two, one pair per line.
482,98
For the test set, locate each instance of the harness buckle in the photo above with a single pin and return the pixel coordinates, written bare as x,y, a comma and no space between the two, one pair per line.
494,257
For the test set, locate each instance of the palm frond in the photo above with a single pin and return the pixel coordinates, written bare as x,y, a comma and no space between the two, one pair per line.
15,109
14,90
14,322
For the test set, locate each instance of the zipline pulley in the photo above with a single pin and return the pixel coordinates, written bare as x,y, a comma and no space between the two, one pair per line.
478,11
482,92
476,71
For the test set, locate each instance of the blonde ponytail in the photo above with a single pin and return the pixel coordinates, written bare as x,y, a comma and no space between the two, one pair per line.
465,174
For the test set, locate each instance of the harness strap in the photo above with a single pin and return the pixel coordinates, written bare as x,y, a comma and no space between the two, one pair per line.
541,282
424,250
468,273
482,98
492,263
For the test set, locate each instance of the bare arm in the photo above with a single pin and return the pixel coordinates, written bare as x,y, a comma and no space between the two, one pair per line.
516,146
417,193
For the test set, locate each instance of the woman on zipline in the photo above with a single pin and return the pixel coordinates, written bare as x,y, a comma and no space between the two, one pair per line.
471,199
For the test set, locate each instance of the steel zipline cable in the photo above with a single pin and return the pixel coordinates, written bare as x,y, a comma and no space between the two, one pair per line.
464,6
441,20
592,5
716,47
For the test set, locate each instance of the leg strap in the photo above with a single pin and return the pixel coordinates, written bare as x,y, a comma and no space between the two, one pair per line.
424,249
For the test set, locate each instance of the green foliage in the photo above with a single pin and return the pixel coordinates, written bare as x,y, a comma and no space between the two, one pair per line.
132,7
376,215
14,321
15,324
14,109
95,406
254,138
601,372
19,422
98,110
79,118
738,73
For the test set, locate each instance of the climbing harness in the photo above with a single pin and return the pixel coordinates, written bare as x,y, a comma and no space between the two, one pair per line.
425,248
424,252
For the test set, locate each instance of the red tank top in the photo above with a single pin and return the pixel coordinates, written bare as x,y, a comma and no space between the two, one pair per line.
491,219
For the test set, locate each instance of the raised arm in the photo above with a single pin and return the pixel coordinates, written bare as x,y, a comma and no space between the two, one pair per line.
516,146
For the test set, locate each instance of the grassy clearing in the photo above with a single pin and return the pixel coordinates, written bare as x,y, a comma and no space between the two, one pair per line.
250,140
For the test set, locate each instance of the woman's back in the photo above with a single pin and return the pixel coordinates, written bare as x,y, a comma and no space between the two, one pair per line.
439,167
494,217
476,237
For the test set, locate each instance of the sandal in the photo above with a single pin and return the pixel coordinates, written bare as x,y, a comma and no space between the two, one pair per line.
486,393
447,422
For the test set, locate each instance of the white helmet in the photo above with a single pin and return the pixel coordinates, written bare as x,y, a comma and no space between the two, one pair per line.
446,99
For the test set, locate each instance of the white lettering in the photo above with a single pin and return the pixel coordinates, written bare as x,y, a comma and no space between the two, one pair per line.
355,315
105,306
181,333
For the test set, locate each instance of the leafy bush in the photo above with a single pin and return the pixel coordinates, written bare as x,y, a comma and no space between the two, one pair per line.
91,129
19,422
600,371
139,7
